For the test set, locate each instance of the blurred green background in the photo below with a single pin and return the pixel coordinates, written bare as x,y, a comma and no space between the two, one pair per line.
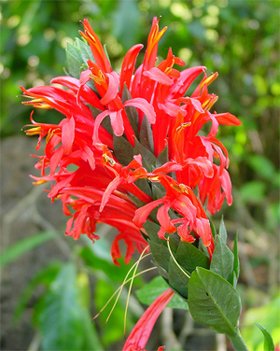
237,38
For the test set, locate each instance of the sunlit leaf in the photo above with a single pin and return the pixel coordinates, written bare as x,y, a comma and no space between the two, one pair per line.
268,342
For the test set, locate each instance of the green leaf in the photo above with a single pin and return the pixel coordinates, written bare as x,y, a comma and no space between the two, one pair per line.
222,259
189,257
127,15
104,289
144,185
236,265
13,252
45,278
157,190
77,55
253,192
152,230
178,278
146,135
102,266
131,111
163,156
268,342
148,158
158,248
213,301
262,166
148,293
64,323
160,254
213,229
268,316
223,231
123,150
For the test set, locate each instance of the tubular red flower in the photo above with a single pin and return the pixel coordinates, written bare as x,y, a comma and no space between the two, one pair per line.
140,334
96,47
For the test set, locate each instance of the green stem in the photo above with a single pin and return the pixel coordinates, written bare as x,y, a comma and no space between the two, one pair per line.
238,342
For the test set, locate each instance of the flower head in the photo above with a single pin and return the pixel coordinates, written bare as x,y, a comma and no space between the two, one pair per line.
128,147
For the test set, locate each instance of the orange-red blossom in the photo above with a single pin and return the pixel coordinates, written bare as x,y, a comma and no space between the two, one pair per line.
87,172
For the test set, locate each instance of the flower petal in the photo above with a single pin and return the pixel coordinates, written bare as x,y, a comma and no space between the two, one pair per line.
128,65
144,106
113,87
157,75
67,134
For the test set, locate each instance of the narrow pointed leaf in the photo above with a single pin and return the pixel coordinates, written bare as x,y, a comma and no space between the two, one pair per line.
268,341
146,135
131,111
213,229
163,156
222,260
77,55
149,160
145,186
123,150
223,231
236,265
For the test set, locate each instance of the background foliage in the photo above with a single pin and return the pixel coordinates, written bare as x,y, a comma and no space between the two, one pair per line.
237,38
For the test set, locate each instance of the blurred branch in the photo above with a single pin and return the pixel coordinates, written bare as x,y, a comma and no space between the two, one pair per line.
169,338
46,225
221,342
187,329
35,343
21,209
27,208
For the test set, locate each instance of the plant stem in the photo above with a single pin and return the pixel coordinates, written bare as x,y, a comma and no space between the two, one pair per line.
238,342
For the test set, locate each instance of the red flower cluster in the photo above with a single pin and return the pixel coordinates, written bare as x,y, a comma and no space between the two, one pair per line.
153,120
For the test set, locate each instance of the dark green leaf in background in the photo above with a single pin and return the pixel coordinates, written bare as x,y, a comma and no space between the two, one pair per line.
44,278
64,323
126,21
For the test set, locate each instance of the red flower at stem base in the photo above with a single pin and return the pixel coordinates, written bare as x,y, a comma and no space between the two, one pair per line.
141,332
